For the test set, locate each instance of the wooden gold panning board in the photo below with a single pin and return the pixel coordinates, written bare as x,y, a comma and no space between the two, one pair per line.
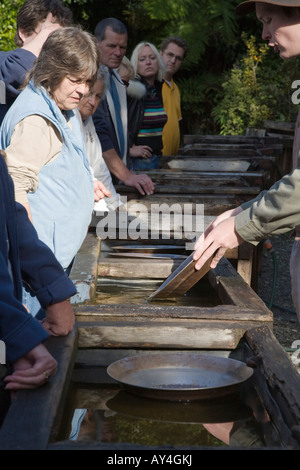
182,279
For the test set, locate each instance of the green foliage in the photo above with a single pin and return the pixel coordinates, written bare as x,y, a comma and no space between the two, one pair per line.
8,14
197,93
200,22
257,88
222,87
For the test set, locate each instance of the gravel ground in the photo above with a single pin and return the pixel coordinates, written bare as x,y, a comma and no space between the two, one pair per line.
286,325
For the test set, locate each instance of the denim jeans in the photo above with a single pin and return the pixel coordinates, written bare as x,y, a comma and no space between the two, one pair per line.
32,304
140,163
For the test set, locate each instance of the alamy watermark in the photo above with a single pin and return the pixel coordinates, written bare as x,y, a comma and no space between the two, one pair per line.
296,352
2,352
296,94
2,92
153,222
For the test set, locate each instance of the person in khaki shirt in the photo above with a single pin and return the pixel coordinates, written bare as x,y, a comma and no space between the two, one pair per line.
277,210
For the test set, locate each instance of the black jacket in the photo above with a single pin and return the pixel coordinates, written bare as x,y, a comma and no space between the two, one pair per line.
136,107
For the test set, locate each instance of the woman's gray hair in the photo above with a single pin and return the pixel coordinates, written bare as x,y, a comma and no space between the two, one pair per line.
135,58
103,77
67,51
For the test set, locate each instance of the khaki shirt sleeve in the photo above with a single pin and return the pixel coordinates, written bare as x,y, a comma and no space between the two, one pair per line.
273,212
34,143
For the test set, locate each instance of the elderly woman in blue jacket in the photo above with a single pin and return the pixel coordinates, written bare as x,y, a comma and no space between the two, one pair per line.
45,150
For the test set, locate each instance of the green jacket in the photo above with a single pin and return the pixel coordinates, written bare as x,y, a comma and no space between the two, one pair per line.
272,212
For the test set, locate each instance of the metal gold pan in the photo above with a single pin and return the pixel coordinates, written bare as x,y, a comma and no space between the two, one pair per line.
179,376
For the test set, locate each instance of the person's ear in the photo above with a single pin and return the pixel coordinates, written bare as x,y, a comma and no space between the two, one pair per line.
21,35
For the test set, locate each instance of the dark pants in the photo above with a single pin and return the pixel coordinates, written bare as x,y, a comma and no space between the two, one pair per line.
4,394
140,163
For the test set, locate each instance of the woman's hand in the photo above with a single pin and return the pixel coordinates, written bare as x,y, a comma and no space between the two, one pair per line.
142,151
100,191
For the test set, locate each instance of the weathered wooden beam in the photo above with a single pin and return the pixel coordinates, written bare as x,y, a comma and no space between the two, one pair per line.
114,312
182,177
214,204
84,270
135,269
232,289
199,189
281,396
207,165
201,334
35,416
233,140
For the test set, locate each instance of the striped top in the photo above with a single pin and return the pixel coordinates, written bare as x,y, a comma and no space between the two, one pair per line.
153,122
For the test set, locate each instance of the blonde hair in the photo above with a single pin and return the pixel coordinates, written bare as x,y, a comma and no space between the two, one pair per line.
66,51
127,66
135,57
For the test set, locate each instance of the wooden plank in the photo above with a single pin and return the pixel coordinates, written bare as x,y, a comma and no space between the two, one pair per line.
283,383
84,270
156,269
233,290
215,150
214,204
34,417
198,189
123,312
224,152
280,126
264,158
234,140
163,335
208,165
187,178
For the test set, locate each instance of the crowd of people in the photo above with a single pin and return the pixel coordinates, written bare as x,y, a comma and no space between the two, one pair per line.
65,142
79,117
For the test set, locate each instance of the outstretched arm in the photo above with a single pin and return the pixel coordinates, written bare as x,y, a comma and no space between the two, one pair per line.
219,236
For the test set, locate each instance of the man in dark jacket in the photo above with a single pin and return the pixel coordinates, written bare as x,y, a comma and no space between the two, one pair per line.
110,118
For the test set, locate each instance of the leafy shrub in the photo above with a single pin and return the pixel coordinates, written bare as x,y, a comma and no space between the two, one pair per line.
258,88
8,14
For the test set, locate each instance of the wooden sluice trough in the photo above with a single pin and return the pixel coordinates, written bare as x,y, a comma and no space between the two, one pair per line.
239,327
219,173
